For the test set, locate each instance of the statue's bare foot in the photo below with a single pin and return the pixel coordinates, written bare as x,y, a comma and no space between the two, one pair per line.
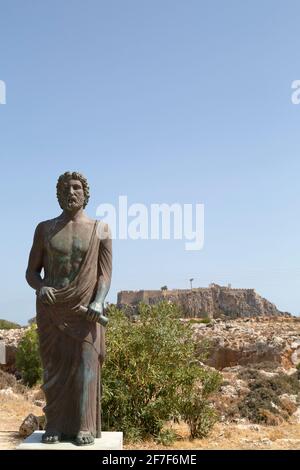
84,438
51,437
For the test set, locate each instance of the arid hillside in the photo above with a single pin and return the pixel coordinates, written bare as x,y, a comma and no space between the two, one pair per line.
258,403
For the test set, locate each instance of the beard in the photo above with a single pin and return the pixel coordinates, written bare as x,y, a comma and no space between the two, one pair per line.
71,203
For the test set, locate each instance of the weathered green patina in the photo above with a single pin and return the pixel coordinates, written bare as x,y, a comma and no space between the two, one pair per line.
76,264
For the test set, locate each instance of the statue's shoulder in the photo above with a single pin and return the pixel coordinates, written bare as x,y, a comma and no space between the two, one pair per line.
102,224
46,225
89,220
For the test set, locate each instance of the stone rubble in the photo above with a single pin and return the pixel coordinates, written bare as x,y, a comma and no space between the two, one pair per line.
11,339
254,340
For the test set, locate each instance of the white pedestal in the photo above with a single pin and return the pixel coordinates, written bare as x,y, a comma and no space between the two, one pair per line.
108,441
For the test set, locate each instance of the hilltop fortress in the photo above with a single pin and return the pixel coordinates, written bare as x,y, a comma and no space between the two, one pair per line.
206,302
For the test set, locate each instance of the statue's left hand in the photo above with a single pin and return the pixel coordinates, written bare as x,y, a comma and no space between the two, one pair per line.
95,310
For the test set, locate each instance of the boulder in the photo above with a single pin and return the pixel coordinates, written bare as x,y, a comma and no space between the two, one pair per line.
30,424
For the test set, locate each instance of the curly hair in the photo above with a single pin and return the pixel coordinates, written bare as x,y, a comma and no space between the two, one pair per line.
76,176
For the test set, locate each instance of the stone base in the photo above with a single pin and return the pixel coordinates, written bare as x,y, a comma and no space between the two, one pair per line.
108,441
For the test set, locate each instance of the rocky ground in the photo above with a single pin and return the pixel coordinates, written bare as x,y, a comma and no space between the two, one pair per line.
11,339
251,340
258,403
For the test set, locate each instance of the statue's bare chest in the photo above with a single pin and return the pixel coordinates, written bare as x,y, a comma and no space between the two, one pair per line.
66,248
73,239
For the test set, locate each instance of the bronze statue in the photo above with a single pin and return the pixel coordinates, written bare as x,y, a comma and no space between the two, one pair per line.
75,255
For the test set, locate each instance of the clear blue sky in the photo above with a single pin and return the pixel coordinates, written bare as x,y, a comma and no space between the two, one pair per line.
163,101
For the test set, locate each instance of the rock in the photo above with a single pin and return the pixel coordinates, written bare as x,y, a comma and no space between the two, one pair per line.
251,427
229,390
11,339
289,403
9,393
268,374
39,395
208,302
238,342
200,325
295,357
290,371
291,398
30,424
234,369
296,416
40,403
265,441
254,427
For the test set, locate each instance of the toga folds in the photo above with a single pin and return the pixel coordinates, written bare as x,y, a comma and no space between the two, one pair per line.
72,346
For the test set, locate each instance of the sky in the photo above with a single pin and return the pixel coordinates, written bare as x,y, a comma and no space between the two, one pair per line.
165,101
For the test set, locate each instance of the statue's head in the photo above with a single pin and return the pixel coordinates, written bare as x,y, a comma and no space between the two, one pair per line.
72,191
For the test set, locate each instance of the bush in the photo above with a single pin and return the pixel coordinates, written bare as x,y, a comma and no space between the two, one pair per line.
151,375
28,360
199,415
8,325
280,384
257,402
166,437
9,381
263,404
200,320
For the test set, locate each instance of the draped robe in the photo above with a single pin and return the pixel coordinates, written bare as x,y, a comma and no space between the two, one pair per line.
72,346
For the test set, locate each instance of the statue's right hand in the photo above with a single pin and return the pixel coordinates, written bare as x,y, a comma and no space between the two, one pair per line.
46,295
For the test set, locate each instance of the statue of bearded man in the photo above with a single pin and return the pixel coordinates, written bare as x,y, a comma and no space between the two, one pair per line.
75,254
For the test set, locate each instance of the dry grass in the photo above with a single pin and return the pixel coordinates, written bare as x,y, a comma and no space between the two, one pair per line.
223,436
9,381
235,437
14,410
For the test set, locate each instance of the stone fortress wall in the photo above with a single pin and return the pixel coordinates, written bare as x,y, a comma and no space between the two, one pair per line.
205,302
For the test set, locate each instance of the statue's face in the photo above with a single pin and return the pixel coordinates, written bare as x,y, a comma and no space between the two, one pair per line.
73,195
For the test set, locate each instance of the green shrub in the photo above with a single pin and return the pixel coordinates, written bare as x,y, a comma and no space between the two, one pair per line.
199,415
200,320
263,402
151,374
279,383
268,366
28,360
256,402
249,373
205,320
166,437
8,325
